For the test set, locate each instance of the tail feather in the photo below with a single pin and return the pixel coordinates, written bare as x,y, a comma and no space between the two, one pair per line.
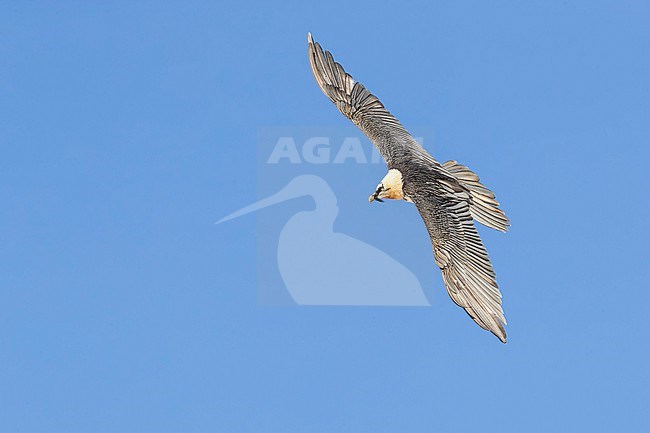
484,207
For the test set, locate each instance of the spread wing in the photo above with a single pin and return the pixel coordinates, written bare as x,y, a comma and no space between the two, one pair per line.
460,254
362,107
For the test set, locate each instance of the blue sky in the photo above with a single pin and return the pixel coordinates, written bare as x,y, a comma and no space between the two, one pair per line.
127,130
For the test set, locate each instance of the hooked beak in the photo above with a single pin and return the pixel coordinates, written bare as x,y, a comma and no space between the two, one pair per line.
375,196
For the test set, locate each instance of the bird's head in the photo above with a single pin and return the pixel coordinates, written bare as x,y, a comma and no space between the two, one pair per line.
390,187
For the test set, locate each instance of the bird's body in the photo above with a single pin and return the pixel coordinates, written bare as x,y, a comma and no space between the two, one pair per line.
448,196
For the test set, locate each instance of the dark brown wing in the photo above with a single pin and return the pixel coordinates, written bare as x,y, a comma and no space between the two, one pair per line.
460,254
362,107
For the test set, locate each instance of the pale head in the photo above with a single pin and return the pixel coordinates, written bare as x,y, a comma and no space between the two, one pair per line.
390,187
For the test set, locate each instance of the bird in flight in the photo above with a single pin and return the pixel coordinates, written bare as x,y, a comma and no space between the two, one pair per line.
448,196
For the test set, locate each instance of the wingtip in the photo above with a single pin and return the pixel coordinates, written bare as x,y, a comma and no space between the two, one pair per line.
501,334
309,38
